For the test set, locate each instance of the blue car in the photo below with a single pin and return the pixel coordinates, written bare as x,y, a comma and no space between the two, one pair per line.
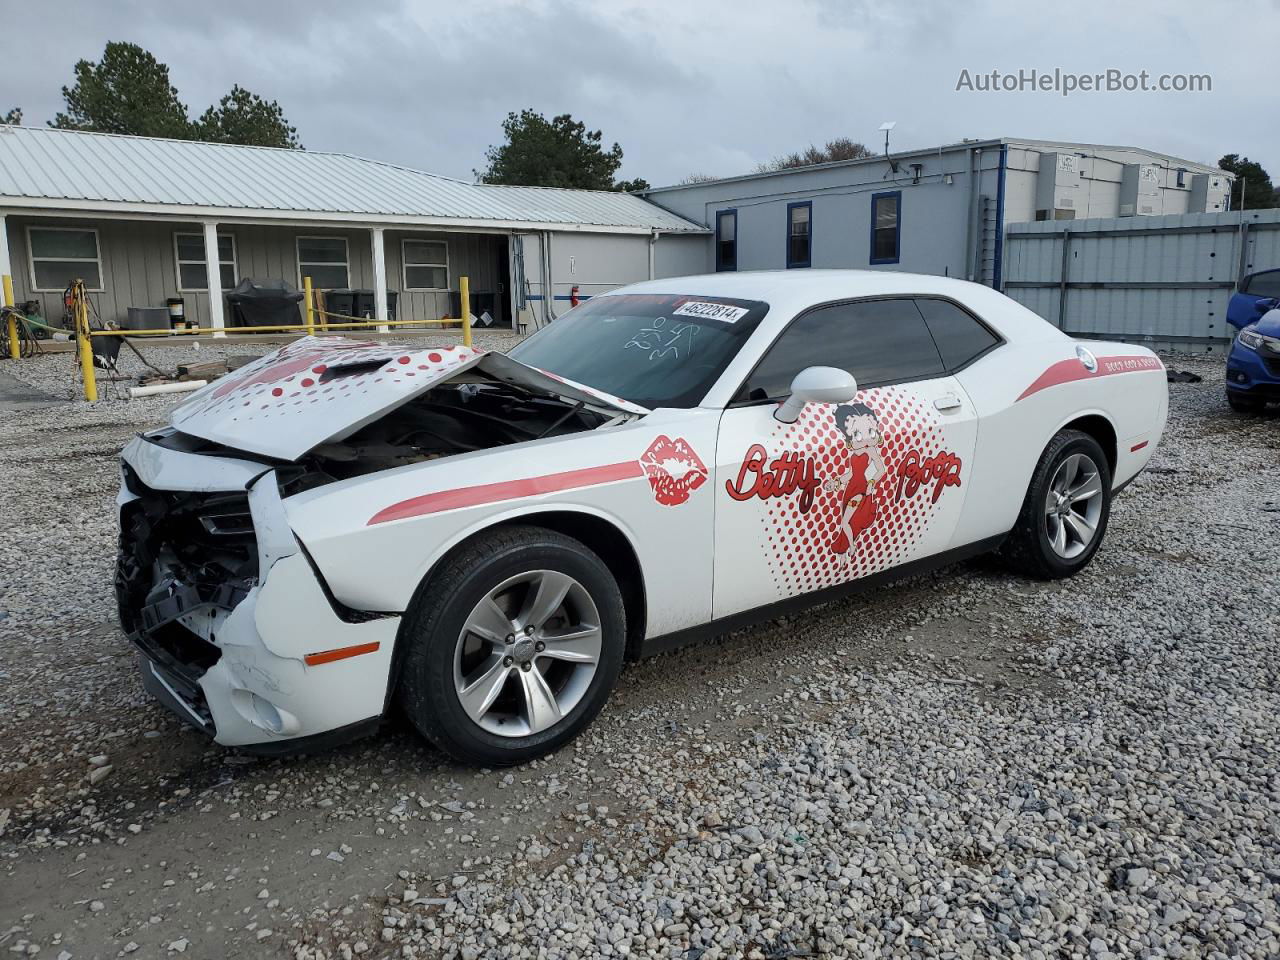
1253,364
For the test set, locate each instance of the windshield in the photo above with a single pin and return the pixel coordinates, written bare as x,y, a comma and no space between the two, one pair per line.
654,350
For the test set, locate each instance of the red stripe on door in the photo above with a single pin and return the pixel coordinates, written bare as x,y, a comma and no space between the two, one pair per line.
1068,371
506,490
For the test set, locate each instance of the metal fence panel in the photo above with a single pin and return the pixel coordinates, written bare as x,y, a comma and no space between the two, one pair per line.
1153,279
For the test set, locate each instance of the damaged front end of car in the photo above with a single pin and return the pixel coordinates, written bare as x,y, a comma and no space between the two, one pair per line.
181,569
238,632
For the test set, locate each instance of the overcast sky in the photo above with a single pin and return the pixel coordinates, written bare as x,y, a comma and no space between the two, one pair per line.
684,86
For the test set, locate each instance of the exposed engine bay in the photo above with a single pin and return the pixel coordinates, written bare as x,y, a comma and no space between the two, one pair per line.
450,419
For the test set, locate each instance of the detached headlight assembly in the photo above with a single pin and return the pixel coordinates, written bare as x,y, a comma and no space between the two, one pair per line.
1249,337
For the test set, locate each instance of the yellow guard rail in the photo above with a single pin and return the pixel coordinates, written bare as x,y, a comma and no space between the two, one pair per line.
314,317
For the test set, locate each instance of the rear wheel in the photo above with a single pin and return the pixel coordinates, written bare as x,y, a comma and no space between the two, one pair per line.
514,646
1243,403
1064,516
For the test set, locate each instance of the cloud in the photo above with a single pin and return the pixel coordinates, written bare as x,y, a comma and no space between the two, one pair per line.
709,87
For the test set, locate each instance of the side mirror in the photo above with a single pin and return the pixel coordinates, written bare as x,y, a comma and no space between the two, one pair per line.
816,385
1261,306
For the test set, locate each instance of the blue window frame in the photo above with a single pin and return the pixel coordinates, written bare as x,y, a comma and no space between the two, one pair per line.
886,227
726,240
799,234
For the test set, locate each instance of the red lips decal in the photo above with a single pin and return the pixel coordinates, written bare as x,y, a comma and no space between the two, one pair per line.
673,469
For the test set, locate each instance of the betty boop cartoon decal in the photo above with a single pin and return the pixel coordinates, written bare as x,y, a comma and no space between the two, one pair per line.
847,491
855,486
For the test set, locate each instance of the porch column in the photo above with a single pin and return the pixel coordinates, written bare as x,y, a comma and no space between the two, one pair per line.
379,279
6,268
213,268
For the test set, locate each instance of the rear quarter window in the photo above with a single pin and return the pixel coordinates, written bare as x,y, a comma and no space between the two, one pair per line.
961,337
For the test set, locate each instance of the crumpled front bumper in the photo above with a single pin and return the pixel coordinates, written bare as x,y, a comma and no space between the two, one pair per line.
292,665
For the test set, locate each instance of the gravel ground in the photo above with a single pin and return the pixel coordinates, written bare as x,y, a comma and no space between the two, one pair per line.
961,765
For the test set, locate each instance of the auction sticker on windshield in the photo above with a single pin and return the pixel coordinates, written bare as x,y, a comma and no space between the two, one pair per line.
711,311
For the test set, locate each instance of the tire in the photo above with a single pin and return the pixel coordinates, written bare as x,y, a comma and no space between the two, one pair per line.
482,696
1033,546
1243,403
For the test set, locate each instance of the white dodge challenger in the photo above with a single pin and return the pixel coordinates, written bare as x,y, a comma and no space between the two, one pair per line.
341,529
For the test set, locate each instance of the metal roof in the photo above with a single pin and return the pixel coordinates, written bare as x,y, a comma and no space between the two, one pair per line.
1081,148
45,168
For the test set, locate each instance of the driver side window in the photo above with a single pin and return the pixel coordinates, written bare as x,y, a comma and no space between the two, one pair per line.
878,341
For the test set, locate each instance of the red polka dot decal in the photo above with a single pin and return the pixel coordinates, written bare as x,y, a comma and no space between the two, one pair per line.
320,371
850,489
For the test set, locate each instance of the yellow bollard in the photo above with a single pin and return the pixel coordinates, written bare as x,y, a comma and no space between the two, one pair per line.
309,298
464,297
15,349
86,350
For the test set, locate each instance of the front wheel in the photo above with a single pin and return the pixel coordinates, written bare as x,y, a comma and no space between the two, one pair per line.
1064,516
514,645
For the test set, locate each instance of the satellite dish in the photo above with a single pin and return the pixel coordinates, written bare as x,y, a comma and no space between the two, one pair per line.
885,128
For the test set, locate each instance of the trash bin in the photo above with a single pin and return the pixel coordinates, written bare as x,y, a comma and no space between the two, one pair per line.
264,303
480,303
364,305
146,318
341,302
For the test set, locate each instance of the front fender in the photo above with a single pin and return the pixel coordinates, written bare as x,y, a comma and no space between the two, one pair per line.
375,538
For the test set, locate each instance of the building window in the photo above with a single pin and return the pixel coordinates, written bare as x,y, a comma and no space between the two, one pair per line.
1182,176
60,255
426,264
727,240
886,227
324,260
192,276
799,234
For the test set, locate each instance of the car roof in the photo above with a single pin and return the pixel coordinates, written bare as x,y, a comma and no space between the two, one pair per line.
788,292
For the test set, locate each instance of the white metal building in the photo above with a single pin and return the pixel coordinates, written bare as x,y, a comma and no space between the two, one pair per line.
943,210
140,219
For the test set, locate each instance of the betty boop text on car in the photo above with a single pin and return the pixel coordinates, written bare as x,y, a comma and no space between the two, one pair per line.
341,530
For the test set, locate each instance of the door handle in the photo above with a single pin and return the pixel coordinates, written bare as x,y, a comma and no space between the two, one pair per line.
947,403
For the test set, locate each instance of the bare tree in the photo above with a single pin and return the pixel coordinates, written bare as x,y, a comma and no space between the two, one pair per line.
841,148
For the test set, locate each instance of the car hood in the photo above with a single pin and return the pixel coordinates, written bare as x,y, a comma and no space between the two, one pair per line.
323,389
1269,324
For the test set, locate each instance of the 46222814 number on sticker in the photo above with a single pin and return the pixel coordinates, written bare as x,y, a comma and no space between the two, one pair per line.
724,312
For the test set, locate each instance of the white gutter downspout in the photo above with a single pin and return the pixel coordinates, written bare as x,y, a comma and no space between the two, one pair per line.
973,240
548,277
653,243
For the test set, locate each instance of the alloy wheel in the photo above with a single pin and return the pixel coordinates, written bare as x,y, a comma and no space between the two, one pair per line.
527,653
1073,506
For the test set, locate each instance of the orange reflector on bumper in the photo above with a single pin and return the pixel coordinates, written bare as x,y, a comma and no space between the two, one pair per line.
342,653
